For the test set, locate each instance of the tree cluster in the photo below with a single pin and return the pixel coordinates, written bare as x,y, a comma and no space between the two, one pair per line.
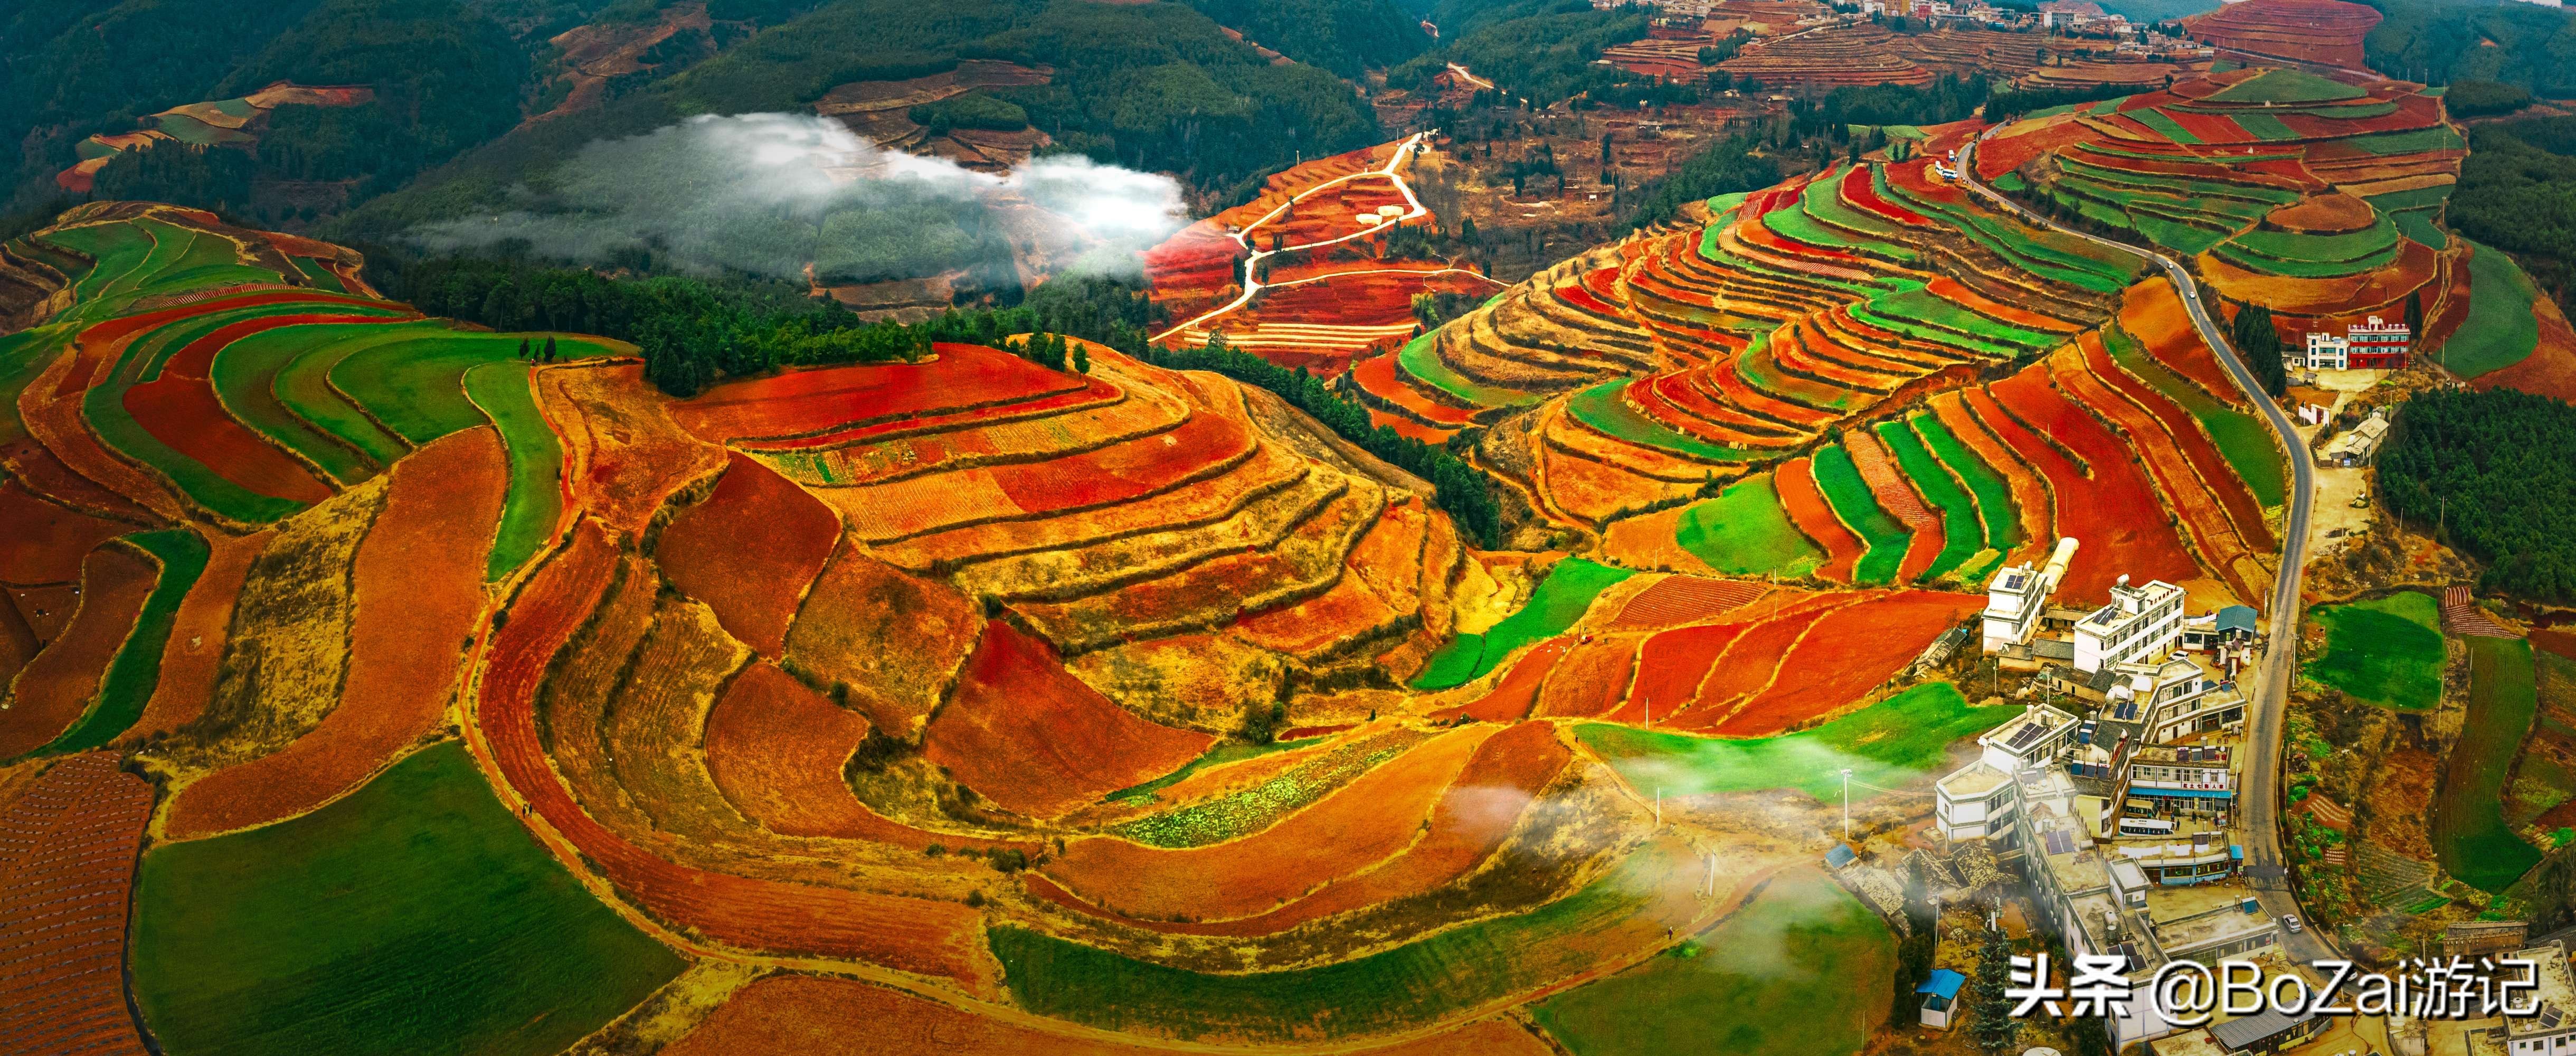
2258,343
2517,192
2495,471
1726,167
2525,45
1457,487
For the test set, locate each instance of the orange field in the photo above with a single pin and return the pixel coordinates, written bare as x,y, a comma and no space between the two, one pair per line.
189,662
931,938
1816,520
1749,664
419,588
1376,815
801,1013
1670,667
818,399
892,638
67,859
1590,681
2201,514
2113,510
54,688
2152,313
1027,735
623,456
1676,600
2214,474
749,550
1848,652
1512,698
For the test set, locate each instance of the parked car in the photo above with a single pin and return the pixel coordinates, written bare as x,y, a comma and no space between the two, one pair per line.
2291,921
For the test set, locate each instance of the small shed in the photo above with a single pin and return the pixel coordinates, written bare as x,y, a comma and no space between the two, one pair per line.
1840,856
1940,996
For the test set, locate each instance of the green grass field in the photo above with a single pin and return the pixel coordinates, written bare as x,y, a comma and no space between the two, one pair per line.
1993,493
2286,86
415,387
136,671
1803,943
2387,651
116,249
1892,743
2411,141
2244,440
2340,248
1745,532
23,355
1849,495
1411,984
1962,534
413,916
535,502
2156,121
2468,828
2500,330
303,386
246,375
1560,600
1419,359
1602,409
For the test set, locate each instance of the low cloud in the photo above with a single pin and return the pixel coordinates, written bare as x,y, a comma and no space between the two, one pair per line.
768,194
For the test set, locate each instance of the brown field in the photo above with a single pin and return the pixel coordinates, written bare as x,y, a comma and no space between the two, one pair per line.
191,659
749,550
68,846
419,589
623,455
1590,681
52,691
1024,733
46,542
894,639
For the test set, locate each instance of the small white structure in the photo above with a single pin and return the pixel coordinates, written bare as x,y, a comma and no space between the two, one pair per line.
2016,597
2139,621
2356,447
2326,351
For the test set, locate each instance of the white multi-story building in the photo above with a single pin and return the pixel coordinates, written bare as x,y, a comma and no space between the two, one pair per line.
2017,595
2139,622
2551,1029
1977,800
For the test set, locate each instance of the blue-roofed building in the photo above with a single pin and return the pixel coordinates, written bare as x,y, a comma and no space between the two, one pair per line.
1840,856
1940,996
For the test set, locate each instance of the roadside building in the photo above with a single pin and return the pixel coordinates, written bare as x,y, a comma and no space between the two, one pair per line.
2139,622
1941,995
2372,345
2358,444
2016,597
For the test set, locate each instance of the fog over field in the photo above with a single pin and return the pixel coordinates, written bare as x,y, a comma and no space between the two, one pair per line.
767,194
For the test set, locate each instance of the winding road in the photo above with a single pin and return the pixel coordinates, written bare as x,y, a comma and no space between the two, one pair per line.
2260,795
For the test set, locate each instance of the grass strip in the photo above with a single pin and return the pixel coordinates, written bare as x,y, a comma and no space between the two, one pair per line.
535,500
1745,531
136,671
2469,833
1895,742
1850,497
1560,600
1962,534
1993,493
1602,408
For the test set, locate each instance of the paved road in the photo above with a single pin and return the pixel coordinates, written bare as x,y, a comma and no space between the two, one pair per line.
2261,795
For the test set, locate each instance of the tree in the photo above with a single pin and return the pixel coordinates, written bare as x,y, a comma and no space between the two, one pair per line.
523,350
1605,148
550,348
1991,1024
1082,359
2259,344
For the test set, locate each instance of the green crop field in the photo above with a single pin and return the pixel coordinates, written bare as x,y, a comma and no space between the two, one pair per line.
136,671
1406,986
1803,943
2344,247
1890,744
2265,127
1418,359
2067,260
1993,494
414,386
246,374
2500,330
413,916
321,277
1559,601
535,500
1757,367
1222,753
1602,409
2162,125
2244,440
2468,829
2388,651
2411,141
1241,813
1931,317
2286,86
23,355
1850,497
2236,253
1745,532
103,406
1962,534
303,386
117,249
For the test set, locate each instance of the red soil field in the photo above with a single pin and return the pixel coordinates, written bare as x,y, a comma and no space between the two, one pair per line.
1358,825
56,686
1094,391
1678,600
1377,375
45,542
1859,189
126,326
18,642
1589,681
68,847
623,456
810,1014
180,409
2550,369
419,590
2212,470
2151,312
2030,497
1026,734
1318,622
1847,653
1816,520
2113,510
50,408
1749,664
2323,31
1670,667
2209,128
776,748
749,550
36,469
1512,698
813,400
931,938
1475,814
1125,471
190,662
2200,513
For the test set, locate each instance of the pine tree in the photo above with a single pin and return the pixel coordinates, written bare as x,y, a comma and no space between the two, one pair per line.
1081,359
1059,352
523,349
1990,1013
550,348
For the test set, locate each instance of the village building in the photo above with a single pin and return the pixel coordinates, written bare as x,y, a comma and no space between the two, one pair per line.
2139,622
